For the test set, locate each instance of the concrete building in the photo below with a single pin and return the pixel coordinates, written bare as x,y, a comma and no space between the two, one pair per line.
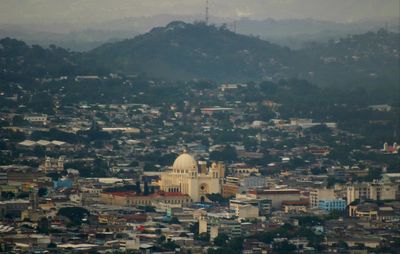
3,178
320,194
295,207
377,190
277,196
13,207
131,199
247,211
36,118
52,164
216,226
263,205
332,204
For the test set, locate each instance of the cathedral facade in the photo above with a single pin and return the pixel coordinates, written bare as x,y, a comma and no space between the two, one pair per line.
188,178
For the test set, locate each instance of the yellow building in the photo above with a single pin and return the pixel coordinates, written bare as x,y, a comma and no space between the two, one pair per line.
131,199
186,178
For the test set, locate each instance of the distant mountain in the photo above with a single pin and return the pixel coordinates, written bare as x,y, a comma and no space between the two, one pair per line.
80,37
292,33
77,40
368,59
185,51
297,33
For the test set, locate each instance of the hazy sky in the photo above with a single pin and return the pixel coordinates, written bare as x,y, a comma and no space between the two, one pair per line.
89,11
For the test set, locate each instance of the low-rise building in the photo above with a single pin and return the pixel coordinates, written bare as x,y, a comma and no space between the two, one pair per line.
277,196
216,226
131,199
332,204
295,207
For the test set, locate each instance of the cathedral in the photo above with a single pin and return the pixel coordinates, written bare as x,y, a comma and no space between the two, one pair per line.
188,178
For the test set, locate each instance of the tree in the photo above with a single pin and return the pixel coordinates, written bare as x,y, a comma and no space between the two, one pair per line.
149,209
174,220
161,239
42,191
146,188
43,226
7,195
54,176
23,195
284,247
138,189
194,228
75,214
227,154
373,174
318,171
221,239
223,250
19,121
39,151
217,198
236,244
204,237
149,167
170,245
52,245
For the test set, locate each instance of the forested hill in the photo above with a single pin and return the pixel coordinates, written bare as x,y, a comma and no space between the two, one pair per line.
182,51
358,60
185,51
21,62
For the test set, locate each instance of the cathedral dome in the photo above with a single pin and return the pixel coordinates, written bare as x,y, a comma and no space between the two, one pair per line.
184,164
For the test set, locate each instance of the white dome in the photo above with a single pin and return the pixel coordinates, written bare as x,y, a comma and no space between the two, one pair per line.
184,163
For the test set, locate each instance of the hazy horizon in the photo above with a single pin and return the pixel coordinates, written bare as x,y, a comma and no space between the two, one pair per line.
87,12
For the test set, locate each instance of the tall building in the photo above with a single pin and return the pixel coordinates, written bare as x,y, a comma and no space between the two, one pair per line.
376,190
186,178
320,194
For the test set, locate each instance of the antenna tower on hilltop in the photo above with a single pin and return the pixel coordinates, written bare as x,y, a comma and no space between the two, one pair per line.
207,18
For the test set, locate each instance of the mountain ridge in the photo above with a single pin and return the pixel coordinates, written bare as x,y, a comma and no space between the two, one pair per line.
185,51
194,51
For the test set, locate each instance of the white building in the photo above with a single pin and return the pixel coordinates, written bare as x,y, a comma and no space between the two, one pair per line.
36,118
